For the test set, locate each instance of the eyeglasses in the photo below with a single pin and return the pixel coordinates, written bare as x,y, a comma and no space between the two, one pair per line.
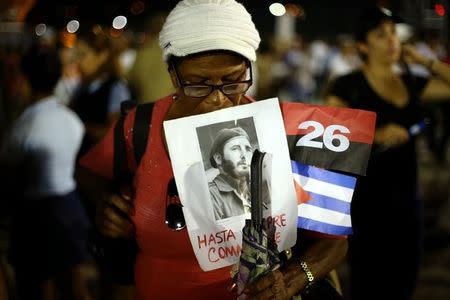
204,90
174,208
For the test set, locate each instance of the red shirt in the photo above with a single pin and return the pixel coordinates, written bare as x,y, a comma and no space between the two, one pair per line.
166,266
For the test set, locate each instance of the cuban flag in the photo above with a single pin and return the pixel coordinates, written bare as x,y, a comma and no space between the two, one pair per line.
324,199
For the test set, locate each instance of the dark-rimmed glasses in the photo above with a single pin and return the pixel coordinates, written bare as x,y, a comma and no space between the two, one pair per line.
174,208
204,90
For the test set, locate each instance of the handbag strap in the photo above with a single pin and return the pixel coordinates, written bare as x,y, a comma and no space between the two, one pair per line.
141,127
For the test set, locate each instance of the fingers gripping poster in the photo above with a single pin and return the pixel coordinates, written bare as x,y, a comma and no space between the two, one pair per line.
210,156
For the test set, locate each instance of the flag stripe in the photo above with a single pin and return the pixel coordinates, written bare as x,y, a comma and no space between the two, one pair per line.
329,203
353,160
319,174
323,215
360,123
313,225
326,189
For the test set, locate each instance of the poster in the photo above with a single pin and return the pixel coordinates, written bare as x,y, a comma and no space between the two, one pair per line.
211,155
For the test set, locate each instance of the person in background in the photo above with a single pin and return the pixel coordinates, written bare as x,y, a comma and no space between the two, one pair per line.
70,78
148,75
386,212
346,59
208,46
97,100
49,231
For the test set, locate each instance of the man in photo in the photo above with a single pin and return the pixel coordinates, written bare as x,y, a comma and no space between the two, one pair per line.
231,154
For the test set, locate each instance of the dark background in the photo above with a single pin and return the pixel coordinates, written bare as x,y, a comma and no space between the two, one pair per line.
322,18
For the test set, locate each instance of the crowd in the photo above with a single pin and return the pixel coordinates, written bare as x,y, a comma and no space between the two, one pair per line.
58,105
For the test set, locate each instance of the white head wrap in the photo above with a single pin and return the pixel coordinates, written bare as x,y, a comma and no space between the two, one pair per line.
195,26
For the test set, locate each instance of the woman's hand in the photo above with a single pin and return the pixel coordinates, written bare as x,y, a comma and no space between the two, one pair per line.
391,135
271,286
278,284
114,215
411,55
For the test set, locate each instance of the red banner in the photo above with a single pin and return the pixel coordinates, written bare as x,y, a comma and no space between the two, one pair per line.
329,137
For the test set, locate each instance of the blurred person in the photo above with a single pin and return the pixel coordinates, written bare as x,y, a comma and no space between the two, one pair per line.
231,154
97,100
70,77
320,53
124,44
48,243
386,210
429,46
209,64
346,60
266,85
297,81
148,77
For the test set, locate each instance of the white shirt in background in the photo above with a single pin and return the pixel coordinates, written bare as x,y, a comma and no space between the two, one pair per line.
44,142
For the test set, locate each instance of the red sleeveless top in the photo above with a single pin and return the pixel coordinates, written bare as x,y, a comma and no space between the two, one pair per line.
166,267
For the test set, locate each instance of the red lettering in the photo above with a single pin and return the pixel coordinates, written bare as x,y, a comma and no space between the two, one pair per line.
212,239
213,250
279,220
233,251
220,236
215,254
230,235
283,220
201,241
277,237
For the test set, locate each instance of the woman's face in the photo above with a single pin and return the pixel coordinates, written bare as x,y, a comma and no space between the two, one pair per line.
382,44
213,69
89,60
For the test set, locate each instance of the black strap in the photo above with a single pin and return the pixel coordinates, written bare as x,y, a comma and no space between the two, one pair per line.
116,257
141,127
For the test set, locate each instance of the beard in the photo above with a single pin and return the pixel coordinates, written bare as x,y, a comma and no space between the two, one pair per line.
239,171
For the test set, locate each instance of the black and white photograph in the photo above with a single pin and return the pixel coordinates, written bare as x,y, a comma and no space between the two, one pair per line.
227,149
211,156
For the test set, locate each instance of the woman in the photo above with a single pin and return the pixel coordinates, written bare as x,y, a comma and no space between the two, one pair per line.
386,212
208,46
97,100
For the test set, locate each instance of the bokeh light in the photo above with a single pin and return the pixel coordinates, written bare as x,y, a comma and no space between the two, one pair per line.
277,9
119,22
40,29
72,26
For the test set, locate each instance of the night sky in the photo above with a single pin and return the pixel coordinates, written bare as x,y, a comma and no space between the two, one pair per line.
323,17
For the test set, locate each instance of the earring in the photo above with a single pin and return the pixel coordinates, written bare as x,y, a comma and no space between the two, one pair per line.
174,97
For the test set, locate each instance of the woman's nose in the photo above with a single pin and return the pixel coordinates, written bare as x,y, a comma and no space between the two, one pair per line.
216,98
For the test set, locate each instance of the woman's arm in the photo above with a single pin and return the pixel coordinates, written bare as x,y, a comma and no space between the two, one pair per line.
438,87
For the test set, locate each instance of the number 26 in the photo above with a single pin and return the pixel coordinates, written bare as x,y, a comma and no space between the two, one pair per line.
328,136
